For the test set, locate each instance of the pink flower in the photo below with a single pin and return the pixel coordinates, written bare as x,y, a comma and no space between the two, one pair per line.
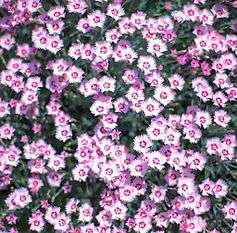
18,199
220,189
75,50
230,210
36,221
56,163
156,131
156,47
197,161
6,131
147,64
207,187
176,82
191,11
115,11
168,5
203,119
156,160
142,225
220,11
138,168
54,179
80,172
83,25
52,214
100,64
100,107
63,132
221,118
186,186
234,228
171,136
164,94
158,194
138,19
182,59
113,35
55,27
142,143
85,213
77,6
55,44
56,12
7,41
103,49
161,220
118,211
34,184
62,222
71,206
151,107
96,19
126,26
11,218
179,16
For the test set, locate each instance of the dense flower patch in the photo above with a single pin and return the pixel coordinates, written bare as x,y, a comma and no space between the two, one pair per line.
118,116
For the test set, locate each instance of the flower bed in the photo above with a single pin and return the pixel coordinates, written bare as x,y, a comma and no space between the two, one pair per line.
118,116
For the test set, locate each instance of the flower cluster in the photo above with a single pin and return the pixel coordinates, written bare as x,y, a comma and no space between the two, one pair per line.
118,116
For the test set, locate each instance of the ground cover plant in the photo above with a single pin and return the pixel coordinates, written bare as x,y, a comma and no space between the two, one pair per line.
118,116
